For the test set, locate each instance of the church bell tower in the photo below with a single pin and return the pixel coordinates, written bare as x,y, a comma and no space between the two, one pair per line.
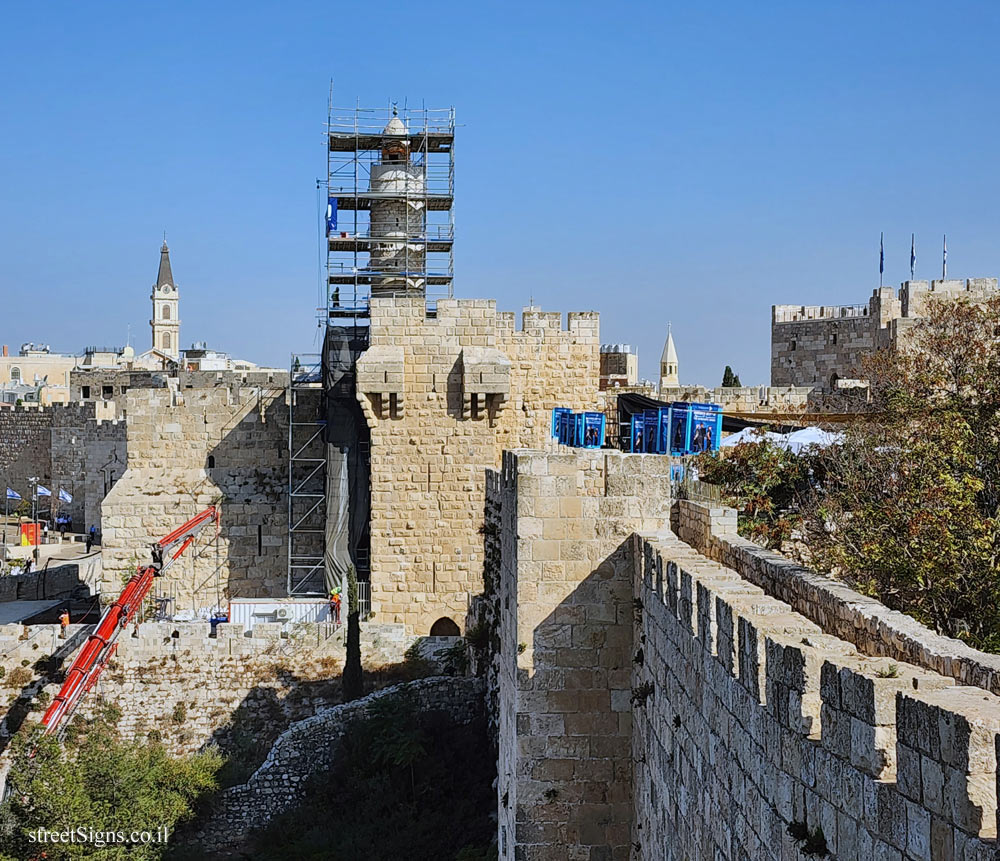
166,322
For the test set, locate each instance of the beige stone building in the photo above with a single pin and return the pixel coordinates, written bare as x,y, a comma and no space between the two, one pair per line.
444,395
822,345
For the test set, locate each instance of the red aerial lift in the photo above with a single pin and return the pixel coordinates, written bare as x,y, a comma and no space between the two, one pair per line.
100,646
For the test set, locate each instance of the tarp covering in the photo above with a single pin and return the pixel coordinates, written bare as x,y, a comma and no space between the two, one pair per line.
795,442
348,502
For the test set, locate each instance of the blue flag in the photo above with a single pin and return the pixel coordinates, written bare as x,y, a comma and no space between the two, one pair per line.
13,494
64,496
44,491
331,215
913,253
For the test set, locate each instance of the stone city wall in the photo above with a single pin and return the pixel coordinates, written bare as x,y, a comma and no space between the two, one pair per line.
77,447
443,396
188,449
308,748
565,648
819,351
758,735
860,620
770,713
813,344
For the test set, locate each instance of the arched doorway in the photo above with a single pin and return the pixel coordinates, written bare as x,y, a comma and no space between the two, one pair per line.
445,627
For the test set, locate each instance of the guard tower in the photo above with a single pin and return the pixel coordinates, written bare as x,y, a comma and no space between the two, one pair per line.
390,193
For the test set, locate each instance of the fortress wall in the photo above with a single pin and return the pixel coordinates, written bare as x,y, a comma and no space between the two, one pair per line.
809,352
443,395
25,447
565,604
860,620
755,725
171,437
763,704
78,447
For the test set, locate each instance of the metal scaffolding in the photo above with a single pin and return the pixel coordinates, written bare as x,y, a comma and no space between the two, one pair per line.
390,224
306,477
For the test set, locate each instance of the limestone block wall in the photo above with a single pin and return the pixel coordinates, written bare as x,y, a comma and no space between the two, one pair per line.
187,449
812,351
25,447
430,447
309,747
858,619
565,648
88,457
754,728
78,447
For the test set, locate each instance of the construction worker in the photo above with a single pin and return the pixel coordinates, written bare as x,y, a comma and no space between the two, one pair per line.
335,605
63,623
157,552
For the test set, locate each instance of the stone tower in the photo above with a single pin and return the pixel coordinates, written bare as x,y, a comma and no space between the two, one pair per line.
166,322
398,217
668,363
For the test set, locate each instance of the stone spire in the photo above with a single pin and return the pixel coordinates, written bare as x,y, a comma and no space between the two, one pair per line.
164,276
668,363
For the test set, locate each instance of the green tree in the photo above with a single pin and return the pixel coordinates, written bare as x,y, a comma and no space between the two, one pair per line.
101,782
736,381
763,482
727,378
353,681
910,507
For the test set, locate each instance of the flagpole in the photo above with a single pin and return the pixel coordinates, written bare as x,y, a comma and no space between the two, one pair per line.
944,258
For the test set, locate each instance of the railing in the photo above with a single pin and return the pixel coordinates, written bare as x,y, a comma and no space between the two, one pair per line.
369,121
430,233
698,491
364,598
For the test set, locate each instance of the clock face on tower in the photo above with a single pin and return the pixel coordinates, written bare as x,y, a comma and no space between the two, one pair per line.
165,288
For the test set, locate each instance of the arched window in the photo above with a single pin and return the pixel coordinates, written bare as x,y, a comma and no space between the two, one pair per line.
166,341
211,461
166,312
15,375
445,627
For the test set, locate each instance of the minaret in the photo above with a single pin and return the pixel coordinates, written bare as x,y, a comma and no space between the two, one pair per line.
668,363
401,215
166,322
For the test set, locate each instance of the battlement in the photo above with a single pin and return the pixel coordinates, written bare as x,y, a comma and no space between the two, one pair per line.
898,730
803,313
72,411
472,320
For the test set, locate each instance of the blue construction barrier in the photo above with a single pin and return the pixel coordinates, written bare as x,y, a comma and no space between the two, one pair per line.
678,429
580,430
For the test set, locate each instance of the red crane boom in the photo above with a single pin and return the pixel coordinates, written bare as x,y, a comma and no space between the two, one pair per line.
100,646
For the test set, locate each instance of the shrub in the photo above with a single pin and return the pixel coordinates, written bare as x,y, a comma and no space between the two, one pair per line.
104,780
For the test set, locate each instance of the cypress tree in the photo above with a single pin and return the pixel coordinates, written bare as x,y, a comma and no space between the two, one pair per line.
353,684
727,378
736,382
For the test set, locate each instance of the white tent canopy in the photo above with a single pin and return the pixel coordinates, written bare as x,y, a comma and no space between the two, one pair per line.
795,441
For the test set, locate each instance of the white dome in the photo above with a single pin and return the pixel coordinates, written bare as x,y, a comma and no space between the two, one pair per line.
395,127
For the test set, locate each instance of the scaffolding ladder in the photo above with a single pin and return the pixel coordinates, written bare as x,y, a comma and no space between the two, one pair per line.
306,477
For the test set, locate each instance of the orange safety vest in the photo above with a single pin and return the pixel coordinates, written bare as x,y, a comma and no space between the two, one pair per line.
64,619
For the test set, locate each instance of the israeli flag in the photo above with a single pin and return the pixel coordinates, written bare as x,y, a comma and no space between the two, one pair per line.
13,494
331,215
44,491
64,496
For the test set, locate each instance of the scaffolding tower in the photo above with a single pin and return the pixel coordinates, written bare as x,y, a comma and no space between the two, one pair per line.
390,225
306,477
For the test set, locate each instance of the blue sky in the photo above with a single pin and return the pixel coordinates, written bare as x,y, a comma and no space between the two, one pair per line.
652,161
